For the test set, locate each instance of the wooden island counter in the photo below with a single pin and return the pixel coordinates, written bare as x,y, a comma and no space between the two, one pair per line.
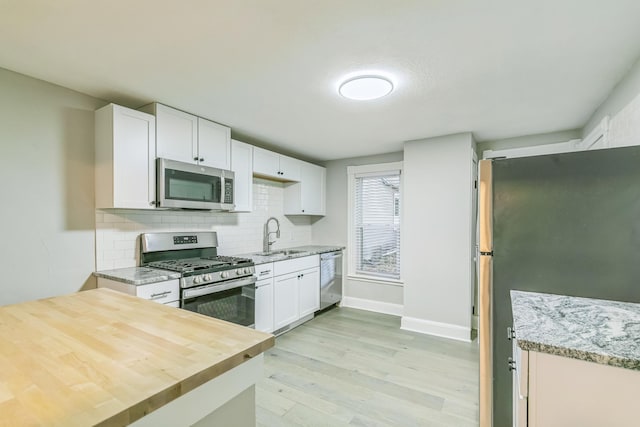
100,357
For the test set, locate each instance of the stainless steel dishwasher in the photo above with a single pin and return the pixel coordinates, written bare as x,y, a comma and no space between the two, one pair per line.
330,278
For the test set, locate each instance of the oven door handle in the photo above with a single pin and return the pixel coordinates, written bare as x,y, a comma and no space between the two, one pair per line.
217,287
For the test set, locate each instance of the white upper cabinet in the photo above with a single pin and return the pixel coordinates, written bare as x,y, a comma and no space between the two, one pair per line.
187,138
125,171
176,134
242,166
308,196
214,144
290,168
273,165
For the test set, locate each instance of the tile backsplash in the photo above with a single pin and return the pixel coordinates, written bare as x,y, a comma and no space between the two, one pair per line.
117,230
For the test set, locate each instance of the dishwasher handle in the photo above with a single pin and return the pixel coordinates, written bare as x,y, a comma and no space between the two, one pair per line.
331,255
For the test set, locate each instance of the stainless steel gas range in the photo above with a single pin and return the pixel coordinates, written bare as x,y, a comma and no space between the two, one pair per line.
217,286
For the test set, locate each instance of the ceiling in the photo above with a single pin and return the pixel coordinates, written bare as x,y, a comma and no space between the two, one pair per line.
269,69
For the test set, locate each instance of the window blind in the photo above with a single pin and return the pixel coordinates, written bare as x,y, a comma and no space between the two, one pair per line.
377,224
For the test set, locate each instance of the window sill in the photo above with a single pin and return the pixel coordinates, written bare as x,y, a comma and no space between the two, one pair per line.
373,279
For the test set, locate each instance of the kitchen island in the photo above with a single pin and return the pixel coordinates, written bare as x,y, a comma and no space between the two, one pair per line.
101,357
577,360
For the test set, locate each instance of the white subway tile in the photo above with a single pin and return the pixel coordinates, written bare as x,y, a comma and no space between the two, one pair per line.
117,230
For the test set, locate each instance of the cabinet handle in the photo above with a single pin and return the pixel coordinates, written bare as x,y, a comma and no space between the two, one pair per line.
202,159
262,273
152,203
160,295
195,158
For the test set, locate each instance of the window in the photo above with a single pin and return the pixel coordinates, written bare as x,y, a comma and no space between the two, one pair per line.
374,240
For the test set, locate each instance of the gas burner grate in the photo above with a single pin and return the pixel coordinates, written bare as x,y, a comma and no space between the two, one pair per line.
229,259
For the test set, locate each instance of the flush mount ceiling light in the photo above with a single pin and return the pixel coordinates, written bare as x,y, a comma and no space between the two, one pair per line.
364,88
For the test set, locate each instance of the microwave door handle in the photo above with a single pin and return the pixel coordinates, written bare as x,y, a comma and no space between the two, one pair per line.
222,183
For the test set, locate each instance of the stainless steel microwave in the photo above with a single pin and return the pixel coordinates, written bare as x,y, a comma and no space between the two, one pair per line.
190,186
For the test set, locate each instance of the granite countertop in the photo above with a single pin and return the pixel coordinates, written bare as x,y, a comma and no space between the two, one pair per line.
300,251
138,275
101,357
600,331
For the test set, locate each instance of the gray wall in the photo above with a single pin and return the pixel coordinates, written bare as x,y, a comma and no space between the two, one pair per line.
332,229
622,95
47,219
437,234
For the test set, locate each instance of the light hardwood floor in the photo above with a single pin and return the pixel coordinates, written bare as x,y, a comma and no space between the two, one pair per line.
351,367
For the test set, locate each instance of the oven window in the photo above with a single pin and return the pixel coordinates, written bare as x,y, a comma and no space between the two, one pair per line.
234,305
181,185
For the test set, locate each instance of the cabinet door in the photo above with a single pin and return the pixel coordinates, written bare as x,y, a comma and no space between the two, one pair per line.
214,144
306,197
264,305
309,291
285,304
177,134
124,158
520,384
242,165
290,168
266,163
312,179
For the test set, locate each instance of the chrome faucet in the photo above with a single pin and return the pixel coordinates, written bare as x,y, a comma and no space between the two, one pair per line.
266,244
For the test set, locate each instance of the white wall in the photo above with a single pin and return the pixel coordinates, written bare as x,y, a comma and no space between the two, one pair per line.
623,108
46,169
117,230
332,229
437,239
528,140
624,96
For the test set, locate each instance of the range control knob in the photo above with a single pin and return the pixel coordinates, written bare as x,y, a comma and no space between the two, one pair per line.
247,270
224,274
239,271
196,279
207,277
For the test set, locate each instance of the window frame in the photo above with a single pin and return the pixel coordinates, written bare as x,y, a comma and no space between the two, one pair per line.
352,173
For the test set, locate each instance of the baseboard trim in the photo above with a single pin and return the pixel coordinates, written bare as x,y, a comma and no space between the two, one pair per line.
372,305
438,329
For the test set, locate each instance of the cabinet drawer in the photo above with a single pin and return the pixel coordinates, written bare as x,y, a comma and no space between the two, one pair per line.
264,271
161,292
296,264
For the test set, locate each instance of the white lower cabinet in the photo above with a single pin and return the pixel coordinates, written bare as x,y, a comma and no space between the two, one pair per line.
308,291
296,289
285,304
557,391
166,292
264,305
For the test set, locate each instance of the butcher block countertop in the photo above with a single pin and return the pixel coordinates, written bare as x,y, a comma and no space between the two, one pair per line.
101,357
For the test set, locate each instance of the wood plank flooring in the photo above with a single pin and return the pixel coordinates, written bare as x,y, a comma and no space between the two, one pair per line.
351,367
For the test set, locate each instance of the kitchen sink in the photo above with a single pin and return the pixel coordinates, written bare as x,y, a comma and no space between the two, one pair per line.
282,252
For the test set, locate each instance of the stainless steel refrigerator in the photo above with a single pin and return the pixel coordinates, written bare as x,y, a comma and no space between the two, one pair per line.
563,224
